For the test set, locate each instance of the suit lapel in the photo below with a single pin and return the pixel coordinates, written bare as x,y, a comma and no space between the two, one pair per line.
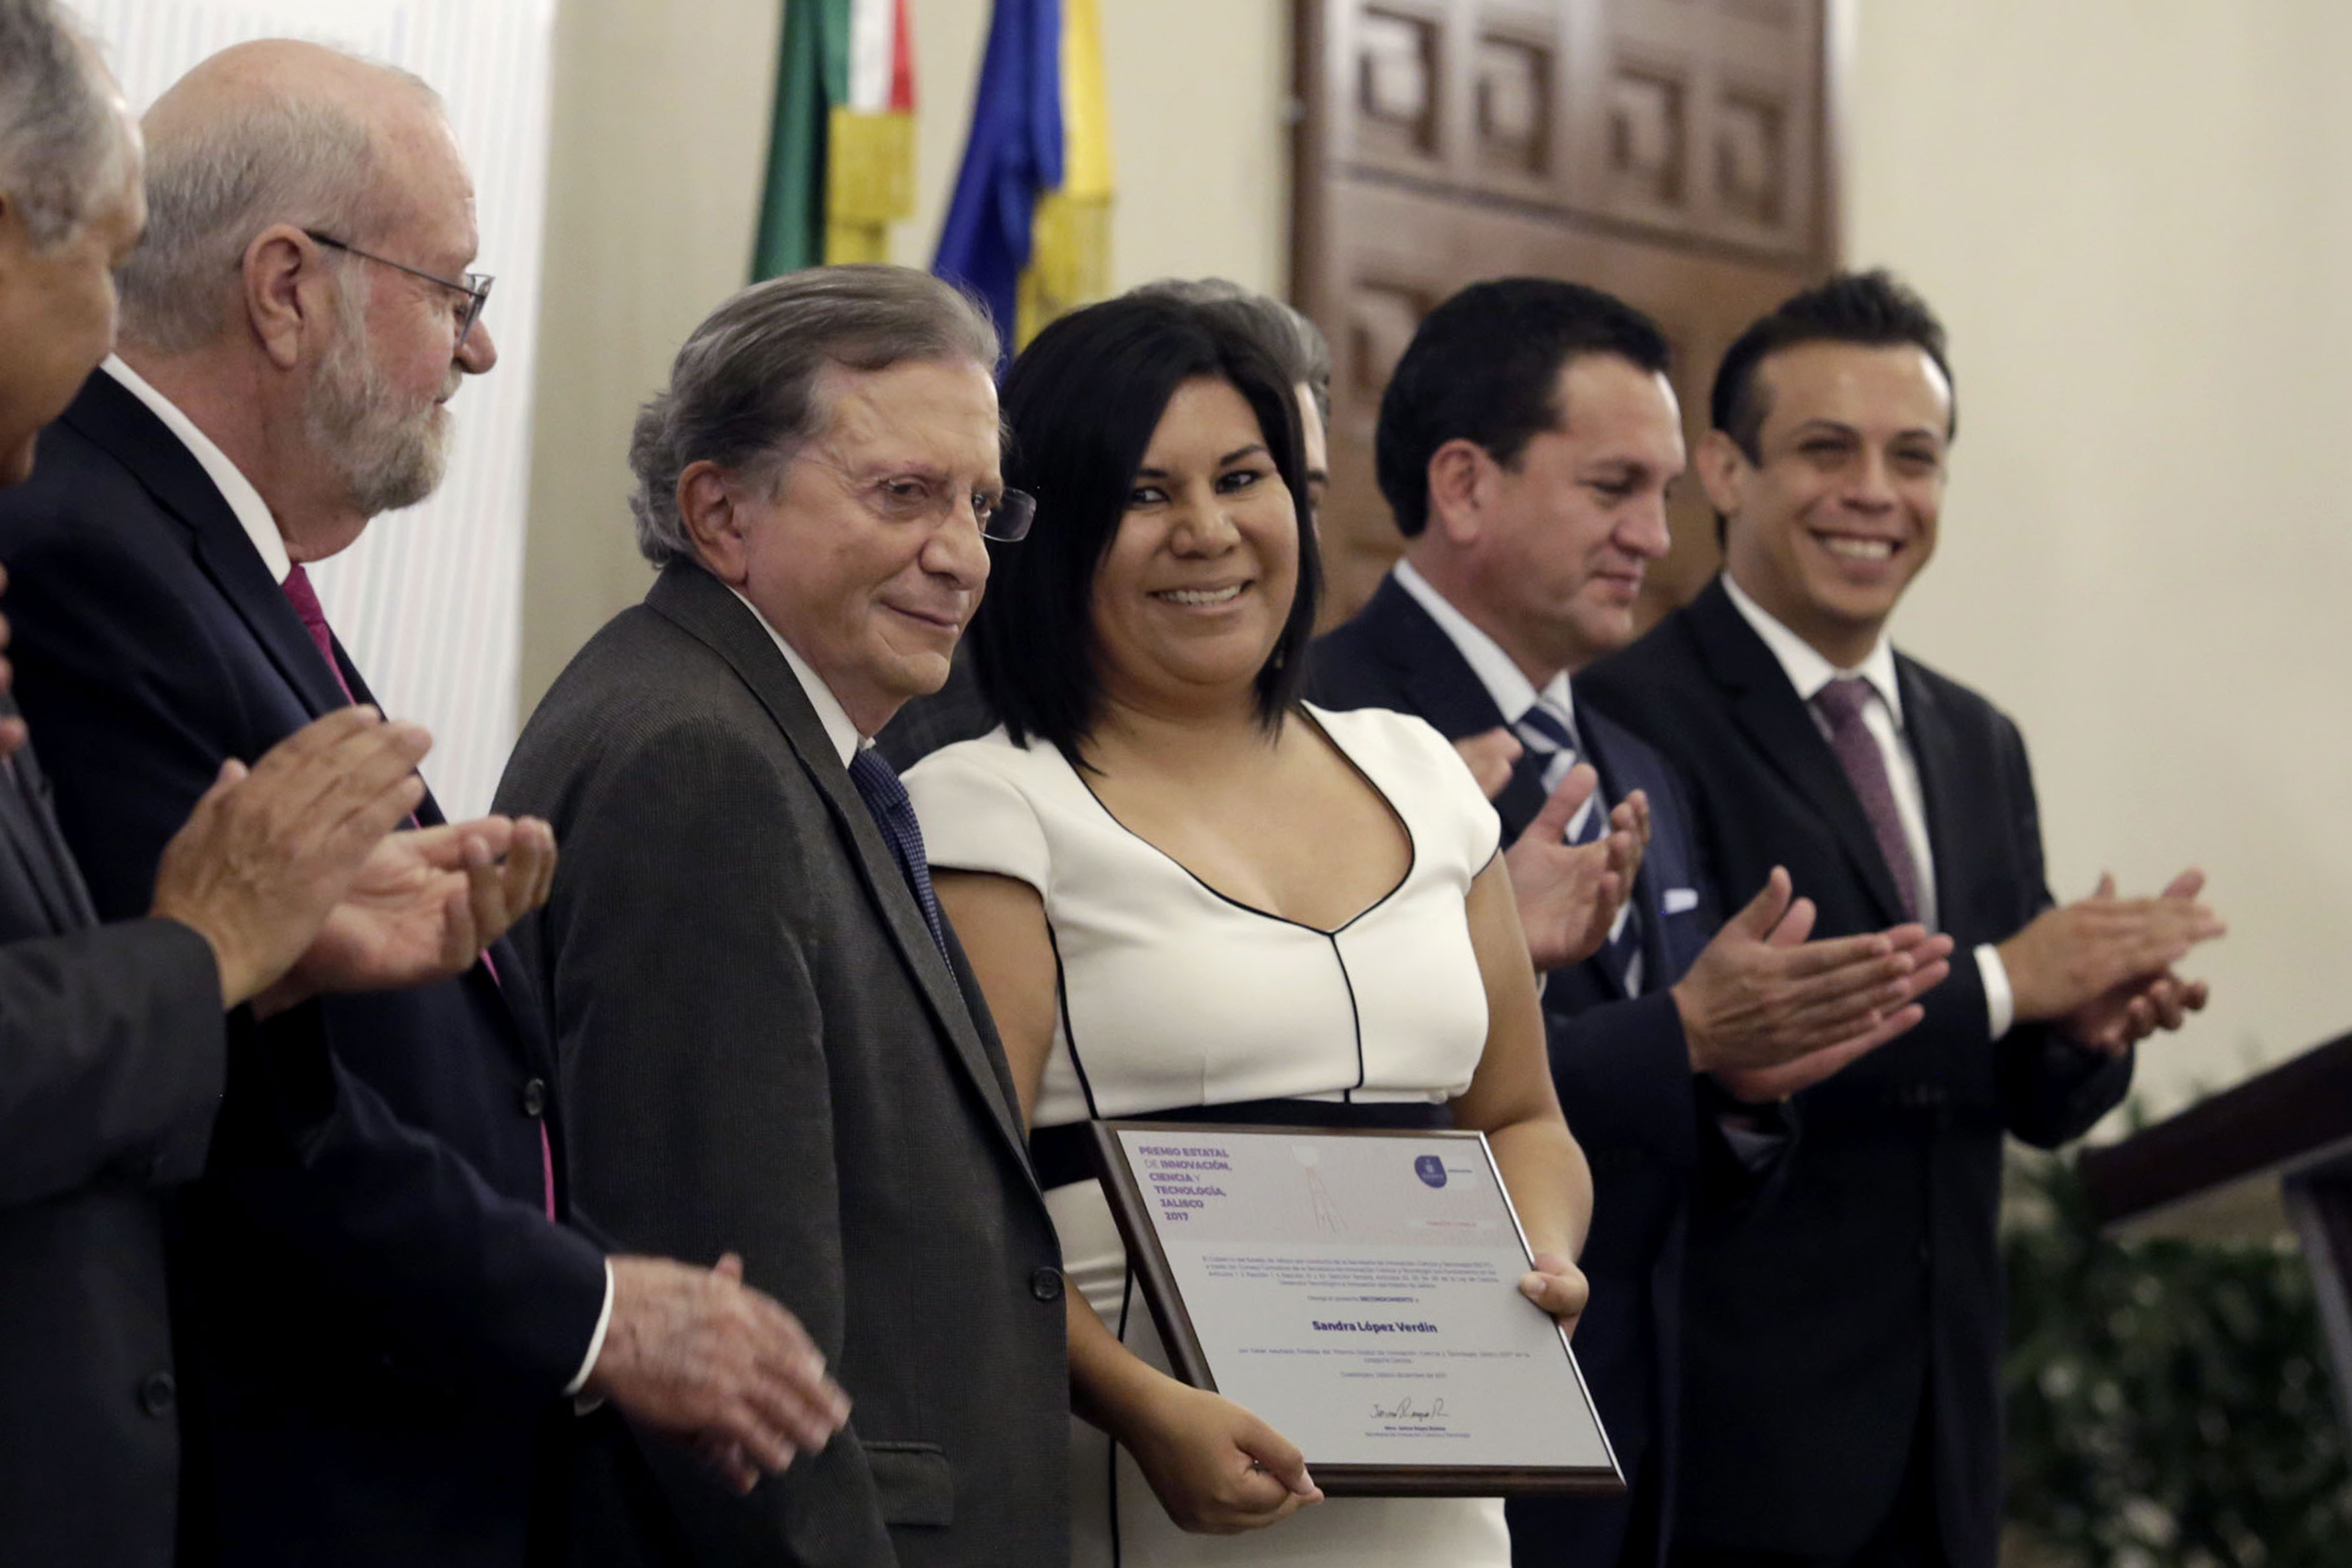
1441,688
1941,772
703,606
1767,708
110,415
1646,902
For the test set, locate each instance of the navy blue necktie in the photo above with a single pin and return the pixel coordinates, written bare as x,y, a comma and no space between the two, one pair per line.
1551,747
885,801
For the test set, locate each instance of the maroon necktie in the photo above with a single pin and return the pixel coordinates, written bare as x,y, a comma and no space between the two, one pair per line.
1841,702
305,600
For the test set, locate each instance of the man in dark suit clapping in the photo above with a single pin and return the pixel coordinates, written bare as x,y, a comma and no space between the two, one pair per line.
130,1052
771,1032
1841,1341
1527,439
376,1328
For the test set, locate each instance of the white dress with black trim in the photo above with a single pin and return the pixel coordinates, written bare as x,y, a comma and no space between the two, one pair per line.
1174,995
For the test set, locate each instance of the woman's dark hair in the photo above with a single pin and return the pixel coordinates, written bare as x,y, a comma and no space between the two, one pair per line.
1081,403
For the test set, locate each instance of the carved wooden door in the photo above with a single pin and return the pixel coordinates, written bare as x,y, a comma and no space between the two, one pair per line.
1675,152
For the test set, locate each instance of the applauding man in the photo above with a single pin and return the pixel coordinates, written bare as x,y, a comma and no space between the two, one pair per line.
1525,443
1841,1341
378,1326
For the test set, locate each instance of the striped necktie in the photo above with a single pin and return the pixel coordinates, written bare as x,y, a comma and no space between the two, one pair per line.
1551,746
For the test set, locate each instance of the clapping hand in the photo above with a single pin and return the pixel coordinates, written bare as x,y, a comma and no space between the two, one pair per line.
1769,1013
425,903
703,1358
2131,1011
1491,756
1569,894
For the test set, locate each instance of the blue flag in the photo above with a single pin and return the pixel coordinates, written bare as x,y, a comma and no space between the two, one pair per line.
1013,154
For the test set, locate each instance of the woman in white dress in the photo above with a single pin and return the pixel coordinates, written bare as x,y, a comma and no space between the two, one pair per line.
1184,891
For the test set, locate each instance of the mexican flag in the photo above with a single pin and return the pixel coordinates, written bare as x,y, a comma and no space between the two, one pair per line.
840,154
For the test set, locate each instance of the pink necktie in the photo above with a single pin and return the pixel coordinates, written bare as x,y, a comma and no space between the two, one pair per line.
305,600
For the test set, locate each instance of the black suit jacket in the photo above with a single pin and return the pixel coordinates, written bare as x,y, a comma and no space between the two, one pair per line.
1818,1320
375,1339
767,1054
113,1061
1621,1065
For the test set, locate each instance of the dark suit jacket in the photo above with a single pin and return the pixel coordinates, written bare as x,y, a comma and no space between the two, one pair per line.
1816,1320
1621,1065
765,1054
112,1060
373,1341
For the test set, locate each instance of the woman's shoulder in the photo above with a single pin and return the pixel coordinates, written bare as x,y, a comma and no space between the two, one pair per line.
990,765
1372,736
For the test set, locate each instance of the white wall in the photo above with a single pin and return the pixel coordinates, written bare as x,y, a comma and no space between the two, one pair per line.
427,601
2133,218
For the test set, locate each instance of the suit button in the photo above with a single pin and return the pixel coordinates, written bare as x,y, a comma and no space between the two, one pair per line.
1046,1285
534,1098
157,1391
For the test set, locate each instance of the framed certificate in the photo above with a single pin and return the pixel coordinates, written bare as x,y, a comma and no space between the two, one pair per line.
1359,1290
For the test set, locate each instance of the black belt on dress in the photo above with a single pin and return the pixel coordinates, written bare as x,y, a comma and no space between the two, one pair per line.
1065,1155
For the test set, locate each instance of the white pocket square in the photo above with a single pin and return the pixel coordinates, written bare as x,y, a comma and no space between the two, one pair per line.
1679,900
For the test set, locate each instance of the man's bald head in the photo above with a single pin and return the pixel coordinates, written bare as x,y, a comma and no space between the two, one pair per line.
274,132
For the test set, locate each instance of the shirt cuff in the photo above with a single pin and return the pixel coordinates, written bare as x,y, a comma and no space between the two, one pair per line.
596,1340
2001,1003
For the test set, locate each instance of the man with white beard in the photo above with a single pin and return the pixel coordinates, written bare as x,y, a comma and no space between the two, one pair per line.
377,1351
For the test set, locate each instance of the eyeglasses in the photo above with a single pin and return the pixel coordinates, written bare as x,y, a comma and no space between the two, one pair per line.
1004,515
475,286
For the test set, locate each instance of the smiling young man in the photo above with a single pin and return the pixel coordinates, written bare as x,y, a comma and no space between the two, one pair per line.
1842,1342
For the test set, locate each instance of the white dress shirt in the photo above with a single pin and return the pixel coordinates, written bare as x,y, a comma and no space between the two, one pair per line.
1881,715
829,711
261,526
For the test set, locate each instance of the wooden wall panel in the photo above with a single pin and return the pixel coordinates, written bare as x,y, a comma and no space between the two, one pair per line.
1671,151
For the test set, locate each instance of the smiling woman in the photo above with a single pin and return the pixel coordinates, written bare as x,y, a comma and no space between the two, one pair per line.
1186,893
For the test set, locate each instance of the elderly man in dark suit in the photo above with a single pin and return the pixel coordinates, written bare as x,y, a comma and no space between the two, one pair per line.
1841,1341
376,1340
1525,442
770,1033
123,1047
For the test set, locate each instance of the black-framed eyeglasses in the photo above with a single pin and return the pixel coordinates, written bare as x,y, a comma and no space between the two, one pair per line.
474,286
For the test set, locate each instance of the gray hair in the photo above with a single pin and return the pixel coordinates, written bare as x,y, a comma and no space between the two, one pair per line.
58,135
1294,343
744,390
308,161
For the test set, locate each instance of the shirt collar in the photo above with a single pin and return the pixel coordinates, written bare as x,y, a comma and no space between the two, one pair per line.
1513,692
830,714
1807,670
251,510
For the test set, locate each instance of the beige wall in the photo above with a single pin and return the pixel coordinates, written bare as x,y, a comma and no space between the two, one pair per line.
2130,212
2134,219
659,142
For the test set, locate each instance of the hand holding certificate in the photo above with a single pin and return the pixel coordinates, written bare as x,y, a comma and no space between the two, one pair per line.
1363,1293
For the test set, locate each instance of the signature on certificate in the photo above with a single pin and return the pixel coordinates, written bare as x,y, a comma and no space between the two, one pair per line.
1408,1409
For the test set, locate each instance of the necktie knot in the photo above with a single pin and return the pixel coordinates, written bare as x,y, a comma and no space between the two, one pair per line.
1842,700
313,615
1543,730
877,782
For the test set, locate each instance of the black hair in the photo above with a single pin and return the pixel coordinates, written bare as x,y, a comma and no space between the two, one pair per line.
1484,367
1082,403
1871,309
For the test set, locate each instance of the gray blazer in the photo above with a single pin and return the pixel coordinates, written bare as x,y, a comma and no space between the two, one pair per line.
762,1053
113,1061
